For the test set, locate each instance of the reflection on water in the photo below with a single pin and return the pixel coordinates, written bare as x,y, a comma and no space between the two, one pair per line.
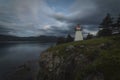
12,55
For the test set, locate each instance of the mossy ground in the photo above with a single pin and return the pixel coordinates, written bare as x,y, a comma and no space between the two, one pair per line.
104,54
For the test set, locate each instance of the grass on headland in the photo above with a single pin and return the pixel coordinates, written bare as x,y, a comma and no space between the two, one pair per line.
106,48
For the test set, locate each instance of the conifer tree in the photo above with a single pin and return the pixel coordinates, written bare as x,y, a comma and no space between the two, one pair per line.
107,22
106,26
60,40
89,36
118,23
69,38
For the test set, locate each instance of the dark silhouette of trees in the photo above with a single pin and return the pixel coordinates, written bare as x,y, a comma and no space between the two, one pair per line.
69,38
107,22
117,25
106,26
104,32
89,36
60,40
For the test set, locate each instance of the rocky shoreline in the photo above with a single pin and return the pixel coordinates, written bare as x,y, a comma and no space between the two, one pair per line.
58,68
27,71
95,59
82,61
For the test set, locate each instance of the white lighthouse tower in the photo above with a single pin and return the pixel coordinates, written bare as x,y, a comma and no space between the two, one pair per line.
78,33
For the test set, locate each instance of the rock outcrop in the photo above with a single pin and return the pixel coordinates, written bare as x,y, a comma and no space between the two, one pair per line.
97,59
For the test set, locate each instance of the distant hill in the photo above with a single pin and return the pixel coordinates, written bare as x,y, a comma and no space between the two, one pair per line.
41,38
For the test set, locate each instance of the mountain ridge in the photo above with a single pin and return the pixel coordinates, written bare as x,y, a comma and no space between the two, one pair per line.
42,38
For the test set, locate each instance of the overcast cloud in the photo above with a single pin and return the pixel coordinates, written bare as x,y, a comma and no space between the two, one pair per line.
53,17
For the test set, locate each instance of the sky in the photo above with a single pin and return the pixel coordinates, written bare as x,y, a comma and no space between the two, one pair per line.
26,18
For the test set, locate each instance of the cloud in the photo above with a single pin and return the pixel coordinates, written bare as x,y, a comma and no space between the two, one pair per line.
25,16
53,17
89,13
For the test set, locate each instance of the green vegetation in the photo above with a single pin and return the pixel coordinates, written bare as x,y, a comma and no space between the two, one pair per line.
101,57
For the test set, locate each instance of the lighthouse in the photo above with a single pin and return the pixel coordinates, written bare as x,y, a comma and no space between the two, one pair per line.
78,33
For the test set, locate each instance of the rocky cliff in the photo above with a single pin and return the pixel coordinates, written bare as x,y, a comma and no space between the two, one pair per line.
95,59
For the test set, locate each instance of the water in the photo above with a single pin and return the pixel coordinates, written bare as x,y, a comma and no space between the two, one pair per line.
15,54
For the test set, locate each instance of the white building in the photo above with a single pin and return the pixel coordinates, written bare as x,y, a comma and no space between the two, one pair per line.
78,33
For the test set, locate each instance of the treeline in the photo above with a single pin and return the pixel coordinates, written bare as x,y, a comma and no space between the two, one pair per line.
109,26
61,40
42,38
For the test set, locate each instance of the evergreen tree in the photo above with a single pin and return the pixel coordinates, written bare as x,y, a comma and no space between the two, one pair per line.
118,24
69,38
60,40
107,22
106,26
89,36
104,32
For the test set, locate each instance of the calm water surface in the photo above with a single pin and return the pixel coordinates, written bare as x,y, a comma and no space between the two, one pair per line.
15,54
